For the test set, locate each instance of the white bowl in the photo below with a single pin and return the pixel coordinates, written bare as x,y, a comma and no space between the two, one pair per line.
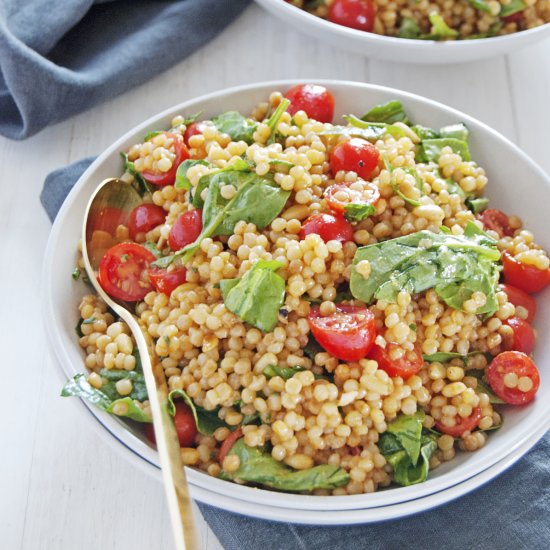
402,50
516,184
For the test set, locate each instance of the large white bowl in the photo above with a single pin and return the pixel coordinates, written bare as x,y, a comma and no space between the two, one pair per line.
517,185
401,49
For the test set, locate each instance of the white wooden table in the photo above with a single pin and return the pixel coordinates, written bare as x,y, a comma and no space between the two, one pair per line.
61,486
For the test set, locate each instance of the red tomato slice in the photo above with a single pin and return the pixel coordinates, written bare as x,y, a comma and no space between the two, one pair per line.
185,230
519,297
523,276
519,364
145,217
524,335
162,179
166,281
355,14
497,221
194,129
184,421
347,334
316,101
514,17
123,272
339,195
357,155
462,425
328,227
407,365
228,442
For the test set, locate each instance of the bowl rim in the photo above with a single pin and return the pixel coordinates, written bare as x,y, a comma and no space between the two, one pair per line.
114,425
342,31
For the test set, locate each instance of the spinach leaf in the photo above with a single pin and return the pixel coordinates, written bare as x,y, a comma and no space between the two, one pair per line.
258,296
389,112
76,273
477,204
182,181
396,188
143,186
358,211
483,387
513,7
274,120
370,132
236,126
261,468
430,149
207,421
445,357
409,28
374,127
455,131
107,398
312,348
455,266
284,372
407,429
440,30
481,5
423,132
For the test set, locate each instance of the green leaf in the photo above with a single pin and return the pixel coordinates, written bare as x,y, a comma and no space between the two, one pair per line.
152,134
445,357
455,131
207,422
143,186
182,181
259,467
396,187
356,212
274,119
409,28
481,5
407,429
370,132
423,132
312,348
430,149
440,30
455,266
513,7
388,113
477,204
104,398
483,387
284,372
374,128
76,273
236,126
258,296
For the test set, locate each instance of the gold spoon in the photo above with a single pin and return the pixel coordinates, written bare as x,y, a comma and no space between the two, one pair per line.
111,199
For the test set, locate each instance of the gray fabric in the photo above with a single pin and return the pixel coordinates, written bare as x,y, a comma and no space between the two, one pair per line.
58,58
509,513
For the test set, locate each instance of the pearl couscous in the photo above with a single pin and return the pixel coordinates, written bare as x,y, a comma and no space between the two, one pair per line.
334,306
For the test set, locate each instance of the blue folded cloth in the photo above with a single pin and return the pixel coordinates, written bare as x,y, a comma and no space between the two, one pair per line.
60,58
510,513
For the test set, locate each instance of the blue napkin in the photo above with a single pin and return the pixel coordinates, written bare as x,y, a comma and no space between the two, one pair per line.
58,58
511,512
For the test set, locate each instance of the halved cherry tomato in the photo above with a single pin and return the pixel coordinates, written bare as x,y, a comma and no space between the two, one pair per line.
194,129
347,334
107,219
497,221
228,442
519,297
462,425
167,178
355,154
514,17
185,230
316,101
355,14
407,365
513,362
184,421
524,336
123,271
145,217
526,277
165,280
339,195
328,227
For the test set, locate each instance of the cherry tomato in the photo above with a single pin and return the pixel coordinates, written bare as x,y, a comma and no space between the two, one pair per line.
316,101
167,178
524,336
355,154
123,272
356,14
407,365
513,362
184,421
185,230
194,129
347,334
329,227
107,219
514,17
519,297
462,425
166,281
497,221
523,276
145,217
228,442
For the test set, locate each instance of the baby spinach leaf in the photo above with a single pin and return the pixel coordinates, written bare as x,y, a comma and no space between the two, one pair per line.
207,422
374,127
455,266
358,211
182,181
312,348
481,5
259,467
274,120
389,112
440,30
430,149
513,7
455,131
142,185
477,204
423,132
409,28
258,296
236,126
284,372
407,429
370,132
